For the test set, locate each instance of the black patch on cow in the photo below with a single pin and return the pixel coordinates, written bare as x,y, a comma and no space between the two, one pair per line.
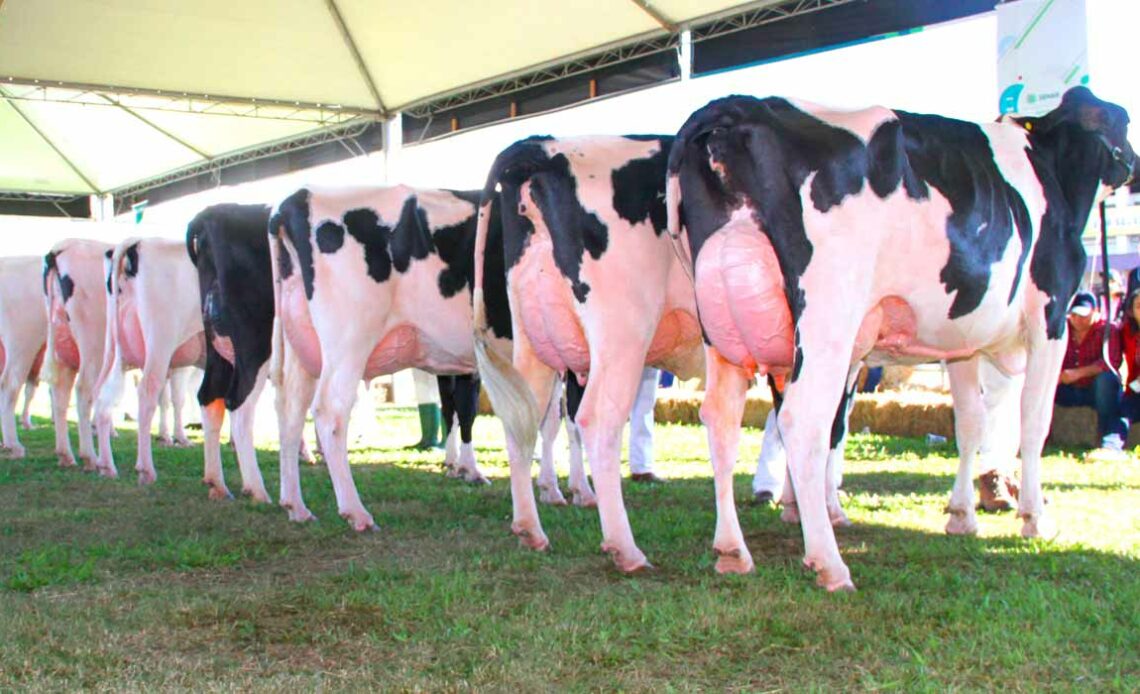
495,302
49,266
839,424
411,239
798,358
955,157
364,226
109,253
888,165
573,230
66,287
330,237
131,264
456,248
459,395
292,218
574,393
236,290
639,186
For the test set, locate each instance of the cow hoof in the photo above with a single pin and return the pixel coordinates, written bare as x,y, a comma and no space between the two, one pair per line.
89,463
146,477
961,523
841,520
66,460
833,580
182,442
257,496
13,452
109,472
790,514
476,478
218,492
1038,526
302,516
733,561
585,499
532,538
165,441
361,521
627,562
552,495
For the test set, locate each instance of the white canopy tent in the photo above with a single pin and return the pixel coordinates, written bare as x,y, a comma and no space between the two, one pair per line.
108,96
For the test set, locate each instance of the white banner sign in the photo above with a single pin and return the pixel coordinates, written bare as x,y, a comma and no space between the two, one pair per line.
1042,51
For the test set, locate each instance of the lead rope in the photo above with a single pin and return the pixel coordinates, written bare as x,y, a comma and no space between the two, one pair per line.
1104,337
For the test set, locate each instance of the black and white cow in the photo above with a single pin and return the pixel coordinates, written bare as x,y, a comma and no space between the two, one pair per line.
369,281
820,238
228,245
595,289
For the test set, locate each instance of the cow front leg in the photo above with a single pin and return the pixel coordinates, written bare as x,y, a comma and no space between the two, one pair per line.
60,397
606,404
163,416
1043,368
722,413
292,398
578,481
241,429
150,390
969,430
549,493
110,392
213,414
839,428
336,393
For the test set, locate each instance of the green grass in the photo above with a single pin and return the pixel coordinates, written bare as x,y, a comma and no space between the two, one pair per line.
105,585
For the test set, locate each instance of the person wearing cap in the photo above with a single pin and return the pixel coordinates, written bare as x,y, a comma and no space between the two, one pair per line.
1087,380
1130,341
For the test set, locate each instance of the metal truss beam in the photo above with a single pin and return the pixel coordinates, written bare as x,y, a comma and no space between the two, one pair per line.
346,134
20,89
763,12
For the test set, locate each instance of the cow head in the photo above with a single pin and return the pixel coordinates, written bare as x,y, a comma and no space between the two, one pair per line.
1099,127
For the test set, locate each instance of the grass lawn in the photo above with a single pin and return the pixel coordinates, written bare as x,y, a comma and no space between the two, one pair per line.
106,585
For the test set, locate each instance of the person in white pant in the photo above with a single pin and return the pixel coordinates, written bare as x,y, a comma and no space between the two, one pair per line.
641,428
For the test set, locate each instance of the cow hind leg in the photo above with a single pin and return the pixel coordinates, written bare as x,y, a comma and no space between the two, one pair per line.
722,413
150,392
548,491
60,397
450,423
606,404
466,409
839,429
84,400
293,396
336,392
241,427
178,380
9,391
163,416
213,414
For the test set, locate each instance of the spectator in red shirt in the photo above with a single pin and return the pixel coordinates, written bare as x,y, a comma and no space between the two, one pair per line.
1087,380
1130,337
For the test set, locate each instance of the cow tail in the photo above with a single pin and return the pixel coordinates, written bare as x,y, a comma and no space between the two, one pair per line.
277,346
48,372
110,386
510,395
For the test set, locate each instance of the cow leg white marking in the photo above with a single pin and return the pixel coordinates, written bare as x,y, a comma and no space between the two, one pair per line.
605,408
213,476
163,413
336,393
29,394
150,389
525,523
178,380
772,465
241,429
451,448
549,493
1042,369
722,413
1001,394
293,394
60,397
579,482
969,429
